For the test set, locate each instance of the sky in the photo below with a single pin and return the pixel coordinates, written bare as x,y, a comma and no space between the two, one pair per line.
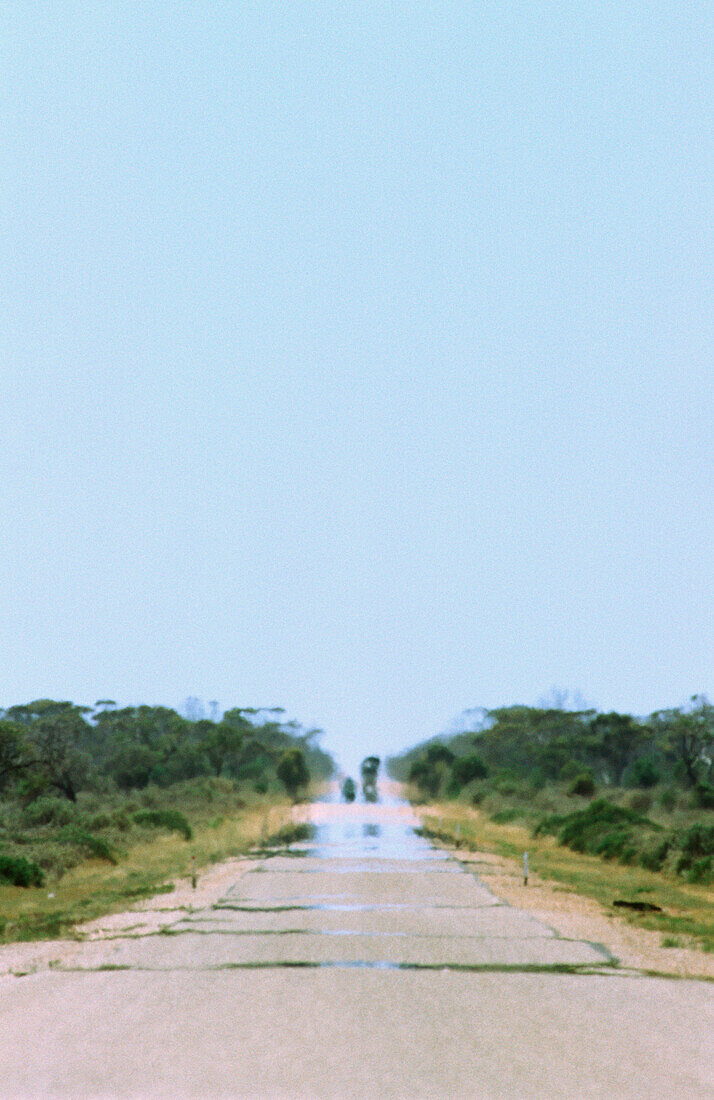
356,357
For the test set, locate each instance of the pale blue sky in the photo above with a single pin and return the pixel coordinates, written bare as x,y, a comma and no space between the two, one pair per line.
357,357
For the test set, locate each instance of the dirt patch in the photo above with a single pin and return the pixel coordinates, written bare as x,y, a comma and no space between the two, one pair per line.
577,917
146,918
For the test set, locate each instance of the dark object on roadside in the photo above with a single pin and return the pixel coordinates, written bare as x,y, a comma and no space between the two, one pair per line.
369,772
349,789
639,906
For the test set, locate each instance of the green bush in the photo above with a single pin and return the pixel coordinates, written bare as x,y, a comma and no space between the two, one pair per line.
697,844
583,784
292,771
569,771
507,784
47,810
502,817
602,829
704,796
700,870
122,821
640,801
165,819
668,799
537,780
610,846
453,788
643,773
150,796
290,833
426,776
653,858
92,845
466,768
18,871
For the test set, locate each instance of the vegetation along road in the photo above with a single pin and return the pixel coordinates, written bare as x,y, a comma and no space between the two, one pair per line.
361,961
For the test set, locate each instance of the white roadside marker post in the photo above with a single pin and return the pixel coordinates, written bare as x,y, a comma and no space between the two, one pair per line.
525,868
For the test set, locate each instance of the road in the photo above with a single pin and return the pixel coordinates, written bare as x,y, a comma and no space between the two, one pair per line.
363,963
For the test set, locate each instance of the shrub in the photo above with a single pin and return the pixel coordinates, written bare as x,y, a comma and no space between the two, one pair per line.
640,801
611,845
668,799
466,768
47,810
440,754
18,871
643,773
292,771
537,780
150,796
697,844
293,831
122,822
426,777
165,819
704,796
653,858
453,788
700,870
583,784
569,771
602,829
92,845
502,817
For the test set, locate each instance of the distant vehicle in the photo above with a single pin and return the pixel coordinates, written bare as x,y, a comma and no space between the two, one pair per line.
369,771
349,789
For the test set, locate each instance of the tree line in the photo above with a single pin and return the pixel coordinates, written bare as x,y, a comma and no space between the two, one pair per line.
62,748
584,749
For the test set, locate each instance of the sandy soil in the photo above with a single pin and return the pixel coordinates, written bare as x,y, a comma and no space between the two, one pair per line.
570,914
579,917
143,919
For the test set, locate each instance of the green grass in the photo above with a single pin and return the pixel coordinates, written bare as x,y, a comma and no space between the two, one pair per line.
173,820
688,908
146,864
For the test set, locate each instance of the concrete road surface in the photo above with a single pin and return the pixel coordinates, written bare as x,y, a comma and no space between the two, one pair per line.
361,964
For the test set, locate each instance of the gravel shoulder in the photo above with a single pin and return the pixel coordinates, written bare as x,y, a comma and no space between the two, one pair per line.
146,918
574,916
571,915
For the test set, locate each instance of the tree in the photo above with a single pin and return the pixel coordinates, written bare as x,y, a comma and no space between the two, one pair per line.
59,740
616,739
292,771
224,743
467,768
689,736
16,754
439,754
140,745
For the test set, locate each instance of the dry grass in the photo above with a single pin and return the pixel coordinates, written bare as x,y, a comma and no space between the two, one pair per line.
95,888
687,910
